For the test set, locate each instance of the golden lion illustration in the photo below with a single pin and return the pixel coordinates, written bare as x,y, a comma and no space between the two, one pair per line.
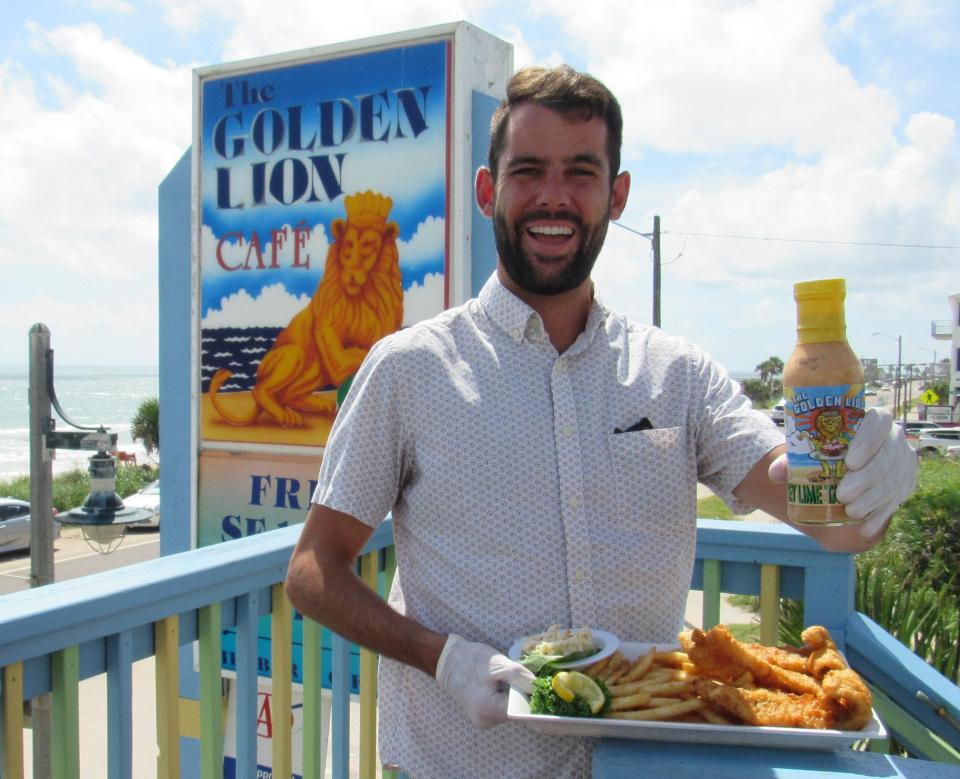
358,301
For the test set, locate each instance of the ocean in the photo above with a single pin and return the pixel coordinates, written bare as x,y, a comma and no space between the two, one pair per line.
89,395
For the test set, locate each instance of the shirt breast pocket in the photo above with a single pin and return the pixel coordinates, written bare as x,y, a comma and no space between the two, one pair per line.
653,480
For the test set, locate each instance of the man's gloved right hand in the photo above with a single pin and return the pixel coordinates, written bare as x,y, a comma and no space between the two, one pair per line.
478,676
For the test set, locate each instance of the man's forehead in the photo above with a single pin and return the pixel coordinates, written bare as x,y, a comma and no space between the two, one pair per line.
535,131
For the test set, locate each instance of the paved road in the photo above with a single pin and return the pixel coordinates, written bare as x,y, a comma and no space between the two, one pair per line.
73,557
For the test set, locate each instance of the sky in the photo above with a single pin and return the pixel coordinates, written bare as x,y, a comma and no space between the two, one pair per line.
778,141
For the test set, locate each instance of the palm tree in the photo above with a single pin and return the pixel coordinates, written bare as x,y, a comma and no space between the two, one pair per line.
145,425
769,369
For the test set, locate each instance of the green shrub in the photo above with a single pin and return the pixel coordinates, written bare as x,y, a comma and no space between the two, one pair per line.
71,488
908,583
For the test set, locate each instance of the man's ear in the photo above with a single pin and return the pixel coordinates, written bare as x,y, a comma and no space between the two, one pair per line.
618,197
484,187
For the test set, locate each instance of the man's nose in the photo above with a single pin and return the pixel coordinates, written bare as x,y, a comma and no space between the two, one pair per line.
554,192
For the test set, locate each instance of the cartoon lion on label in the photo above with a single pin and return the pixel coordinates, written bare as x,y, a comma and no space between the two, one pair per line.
358,301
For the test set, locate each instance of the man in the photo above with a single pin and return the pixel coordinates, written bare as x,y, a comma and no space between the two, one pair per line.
540,456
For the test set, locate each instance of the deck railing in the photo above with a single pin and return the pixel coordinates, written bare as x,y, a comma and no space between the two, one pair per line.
175,608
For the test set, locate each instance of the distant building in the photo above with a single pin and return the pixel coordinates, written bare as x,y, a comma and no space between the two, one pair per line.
950,331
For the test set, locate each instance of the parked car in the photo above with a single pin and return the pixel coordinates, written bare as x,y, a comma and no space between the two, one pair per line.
950,434
927,445
916,425
15,525
147,498
776,413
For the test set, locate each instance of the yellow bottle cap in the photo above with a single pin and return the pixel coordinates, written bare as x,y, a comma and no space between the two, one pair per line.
820,310
820,288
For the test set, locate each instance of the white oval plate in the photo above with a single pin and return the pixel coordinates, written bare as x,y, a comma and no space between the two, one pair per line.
607,642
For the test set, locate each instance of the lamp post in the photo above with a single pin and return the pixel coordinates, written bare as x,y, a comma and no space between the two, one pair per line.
934,353
898,393
43,439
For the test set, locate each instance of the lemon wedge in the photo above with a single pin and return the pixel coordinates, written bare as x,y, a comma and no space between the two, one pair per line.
570,684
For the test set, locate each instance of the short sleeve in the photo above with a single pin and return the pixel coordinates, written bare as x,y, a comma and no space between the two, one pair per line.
732,436
362,463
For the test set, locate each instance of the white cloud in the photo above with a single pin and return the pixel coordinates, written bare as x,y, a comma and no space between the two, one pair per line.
426,244
81,166
715,78
422,301
272,307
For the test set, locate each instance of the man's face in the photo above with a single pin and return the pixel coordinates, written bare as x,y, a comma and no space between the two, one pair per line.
552,199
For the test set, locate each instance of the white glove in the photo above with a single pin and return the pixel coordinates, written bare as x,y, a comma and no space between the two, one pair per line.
881,471
477,676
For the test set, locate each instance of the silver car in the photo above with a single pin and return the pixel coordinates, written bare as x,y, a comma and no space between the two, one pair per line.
15,525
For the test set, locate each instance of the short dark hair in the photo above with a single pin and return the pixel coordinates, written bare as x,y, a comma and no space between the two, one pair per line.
569,93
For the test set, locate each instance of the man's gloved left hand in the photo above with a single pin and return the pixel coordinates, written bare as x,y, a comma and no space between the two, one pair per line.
478,676
881,471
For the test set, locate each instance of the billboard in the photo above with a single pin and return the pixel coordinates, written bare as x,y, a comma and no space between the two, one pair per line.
322,226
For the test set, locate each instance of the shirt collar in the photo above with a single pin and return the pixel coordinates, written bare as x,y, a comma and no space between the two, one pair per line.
520,322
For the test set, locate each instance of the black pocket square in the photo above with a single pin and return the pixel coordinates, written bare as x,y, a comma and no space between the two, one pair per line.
643,424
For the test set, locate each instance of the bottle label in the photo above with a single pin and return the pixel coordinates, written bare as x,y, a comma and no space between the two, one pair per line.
820,423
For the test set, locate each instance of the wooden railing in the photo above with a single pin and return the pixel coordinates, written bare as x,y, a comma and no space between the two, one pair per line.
175,608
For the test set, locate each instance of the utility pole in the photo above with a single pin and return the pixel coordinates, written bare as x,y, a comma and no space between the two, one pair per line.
41,522
656,271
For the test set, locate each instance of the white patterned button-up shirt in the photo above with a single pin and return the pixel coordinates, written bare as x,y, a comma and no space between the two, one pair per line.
516,505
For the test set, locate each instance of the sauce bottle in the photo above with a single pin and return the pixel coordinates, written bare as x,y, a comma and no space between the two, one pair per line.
823,393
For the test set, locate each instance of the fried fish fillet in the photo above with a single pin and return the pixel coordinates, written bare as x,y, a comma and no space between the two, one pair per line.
847,699
763,707
718,654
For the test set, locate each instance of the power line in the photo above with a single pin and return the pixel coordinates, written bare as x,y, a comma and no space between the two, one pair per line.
739,237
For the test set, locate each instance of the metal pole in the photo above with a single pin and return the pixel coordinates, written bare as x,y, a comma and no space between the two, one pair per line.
903,406
41,525
656,271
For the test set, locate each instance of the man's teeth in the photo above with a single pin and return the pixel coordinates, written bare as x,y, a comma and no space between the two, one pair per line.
557,230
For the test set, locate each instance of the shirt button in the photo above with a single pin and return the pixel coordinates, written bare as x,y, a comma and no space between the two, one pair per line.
562,364
567,431
515,334
573,502
579,575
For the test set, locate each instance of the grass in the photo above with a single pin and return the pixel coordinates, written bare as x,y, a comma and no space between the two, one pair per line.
713,507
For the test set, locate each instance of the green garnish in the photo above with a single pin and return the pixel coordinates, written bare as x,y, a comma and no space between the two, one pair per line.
543,700
546,664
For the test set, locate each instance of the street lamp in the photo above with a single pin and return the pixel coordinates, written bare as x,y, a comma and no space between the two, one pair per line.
102,517
897,395
934,353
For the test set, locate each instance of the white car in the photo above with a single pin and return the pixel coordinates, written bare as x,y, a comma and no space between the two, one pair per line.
918,426
776,413
927,445
147,498
15,525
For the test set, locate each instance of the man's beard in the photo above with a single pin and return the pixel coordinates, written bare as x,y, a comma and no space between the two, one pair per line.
523,272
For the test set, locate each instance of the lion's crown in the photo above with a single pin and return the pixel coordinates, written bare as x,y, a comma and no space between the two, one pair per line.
368,209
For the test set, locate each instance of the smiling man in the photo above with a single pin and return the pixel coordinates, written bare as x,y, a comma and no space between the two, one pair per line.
540,455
